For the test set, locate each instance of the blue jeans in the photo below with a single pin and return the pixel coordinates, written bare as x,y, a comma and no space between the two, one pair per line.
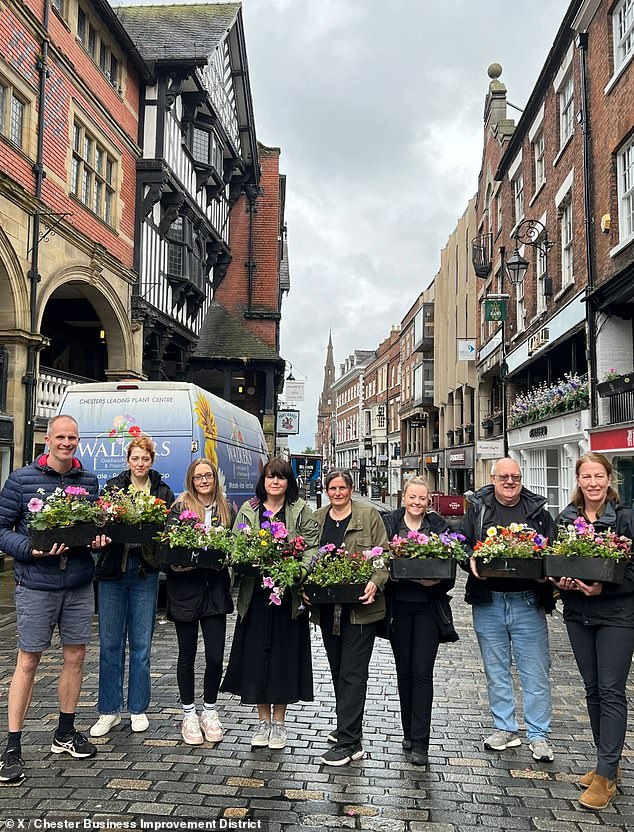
513,629
127,610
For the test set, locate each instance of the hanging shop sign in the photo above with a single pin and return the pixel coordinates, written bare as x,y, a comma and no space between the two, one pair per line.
495,310
294,391
466,349
287,422
490,449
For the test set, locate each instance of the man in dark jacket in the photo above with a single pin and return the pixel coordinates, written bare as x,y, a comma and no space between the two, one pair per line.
509,614
52,589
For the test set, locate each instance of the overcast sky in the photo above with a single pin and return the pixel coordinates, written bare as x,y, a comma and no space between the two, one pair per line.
377,108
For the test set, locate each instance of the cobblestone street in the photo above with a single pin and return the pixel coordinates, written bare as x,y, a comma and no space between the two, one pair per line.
155,776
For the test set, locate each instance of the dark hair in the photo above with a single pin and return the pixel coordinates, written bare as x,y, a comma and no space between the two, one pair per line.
282,468
612,495
343,473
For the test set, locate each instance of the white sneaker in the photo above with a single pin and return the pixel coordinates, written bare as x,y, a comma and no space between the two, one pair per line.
262,733
191,730
103,725
139,722
277,737
211,726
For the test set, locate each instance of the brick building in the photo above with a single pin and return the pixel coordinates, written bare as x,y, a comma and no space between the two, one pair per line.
69,101
349,393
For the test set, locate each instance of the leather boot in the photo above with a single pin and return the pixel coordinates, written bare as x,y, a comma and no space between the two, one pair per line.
599,793
586,779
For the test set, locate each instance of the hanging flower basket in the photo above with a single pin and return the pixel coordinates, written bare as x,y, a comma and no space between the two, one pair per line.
613,386
133,534
335,593
585,569
433,569
186,556
525,568
81,534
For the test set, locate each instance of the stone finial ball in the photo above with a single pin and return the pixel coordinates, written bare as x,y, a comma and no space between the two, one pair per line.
494,71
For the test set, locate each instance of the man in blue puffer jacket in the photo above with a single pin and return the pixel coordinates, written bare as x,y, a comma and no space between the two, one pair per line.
52,589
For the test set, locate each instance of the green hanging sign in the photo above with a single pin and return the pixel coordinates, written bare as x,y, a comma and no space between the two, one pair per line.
495,310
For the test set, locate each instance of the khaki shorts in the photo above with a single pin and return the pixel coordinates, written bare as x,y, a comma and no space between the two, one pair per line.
39,611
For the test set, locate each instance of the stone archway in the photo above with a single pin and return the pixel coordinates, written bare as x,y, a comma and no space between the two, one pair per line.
14,290
110,313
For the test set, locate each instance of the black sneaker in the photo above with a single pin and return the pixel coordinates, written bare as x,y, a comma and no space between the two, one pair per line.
11,766
333,736
341,756
407,744
75,744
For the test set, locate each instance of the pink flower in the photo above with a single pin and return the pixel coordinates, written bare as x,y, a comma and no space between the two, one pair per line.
376,551
188,515
268,583
35,505
274,598
75,491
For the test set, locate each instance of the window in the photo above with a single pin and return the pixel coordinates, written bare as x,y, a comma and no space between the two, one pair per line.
59,5
498,214
12,115
206,148
93,172
185,253
566,111
625,186
542,259
566,244
538,156
519,306
518,197
623,32
98,47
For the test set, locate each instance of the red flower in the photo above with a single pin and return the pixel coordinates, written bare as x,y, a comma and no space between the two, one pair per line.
113,432
134,430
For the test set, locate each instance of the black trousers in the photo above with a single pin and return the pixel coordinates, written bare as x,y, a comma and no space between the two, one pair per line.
415,640
349,657
213,628
603,656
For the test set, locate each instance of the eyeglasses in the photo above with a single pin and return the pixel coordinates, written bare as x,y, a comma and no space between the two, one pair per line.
201,477
507,477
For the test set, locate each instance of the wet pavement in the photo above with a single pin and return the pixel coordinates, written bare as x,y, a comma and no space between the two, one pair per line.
154,781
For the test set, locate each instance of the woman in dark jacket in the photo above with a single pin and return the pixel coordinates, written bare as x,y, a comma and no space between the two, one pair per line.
600,622
419,619
200,598
128,589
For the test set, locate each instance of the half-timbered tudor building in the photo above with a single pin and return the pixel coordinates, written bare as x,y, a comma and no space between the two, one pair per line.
199,153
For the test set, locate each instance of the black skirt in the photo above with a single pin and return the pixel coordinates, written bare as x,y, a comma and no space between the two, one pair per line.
270,659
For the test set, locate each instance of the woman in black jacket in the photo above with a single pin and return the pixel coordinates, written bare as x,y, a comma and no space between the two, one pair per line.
200,598
128,589
600,622
419,619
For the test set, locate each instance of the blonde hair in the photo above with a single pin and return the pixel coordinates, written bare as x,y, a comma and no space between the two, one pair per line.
612,495
415,481
190,500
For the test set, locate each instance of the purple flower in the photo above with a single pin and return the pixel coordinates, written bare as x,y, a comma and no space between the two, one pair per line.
274,598
242,526
266,525
267,513
268,583
540,541
35,505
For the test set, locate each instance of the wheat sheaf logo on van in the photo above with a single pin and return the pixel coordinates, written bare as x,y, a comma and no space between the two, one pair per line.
207,422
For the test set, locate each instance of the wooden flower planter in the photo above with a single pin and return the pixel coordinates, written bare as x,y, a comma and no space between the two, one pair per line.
81,534
335,594
426,568
133,535
586,569
525,568
186,556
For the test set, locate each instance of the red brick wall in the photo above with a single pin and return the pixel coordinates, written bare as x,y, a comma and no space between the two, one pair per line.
233,291
96,95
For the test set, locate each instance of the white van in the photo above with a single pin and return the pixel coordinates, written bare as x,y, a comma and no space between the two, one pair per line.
184,421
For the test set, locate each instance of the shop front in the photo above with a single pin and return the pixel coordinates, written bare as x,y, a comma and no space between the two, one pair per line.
431,470
547,451
459,469
617,444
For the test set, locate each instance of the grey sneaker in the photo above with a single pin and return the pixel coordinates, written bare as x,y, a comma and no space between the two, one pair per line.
262,734
542,750
500,740
277,737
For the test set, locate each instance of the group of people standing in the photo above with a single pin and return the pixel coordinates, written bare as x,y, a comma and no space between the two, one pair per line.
270,664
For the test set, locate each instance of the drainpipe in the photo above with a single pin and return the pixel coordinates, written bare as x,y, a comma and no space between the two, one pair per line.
30,379
252,192
591,329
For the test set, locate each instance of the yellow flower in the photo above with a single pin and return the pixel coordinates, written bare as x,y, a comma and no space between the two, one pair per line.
262,532
491,531
515,527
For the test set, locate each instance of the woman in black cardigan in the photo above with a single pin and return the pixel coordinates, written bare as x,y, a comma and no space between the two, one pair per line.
419,619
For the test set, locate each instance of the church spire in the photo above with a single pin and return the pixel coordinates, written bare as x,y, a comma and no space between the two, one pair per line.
325,400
